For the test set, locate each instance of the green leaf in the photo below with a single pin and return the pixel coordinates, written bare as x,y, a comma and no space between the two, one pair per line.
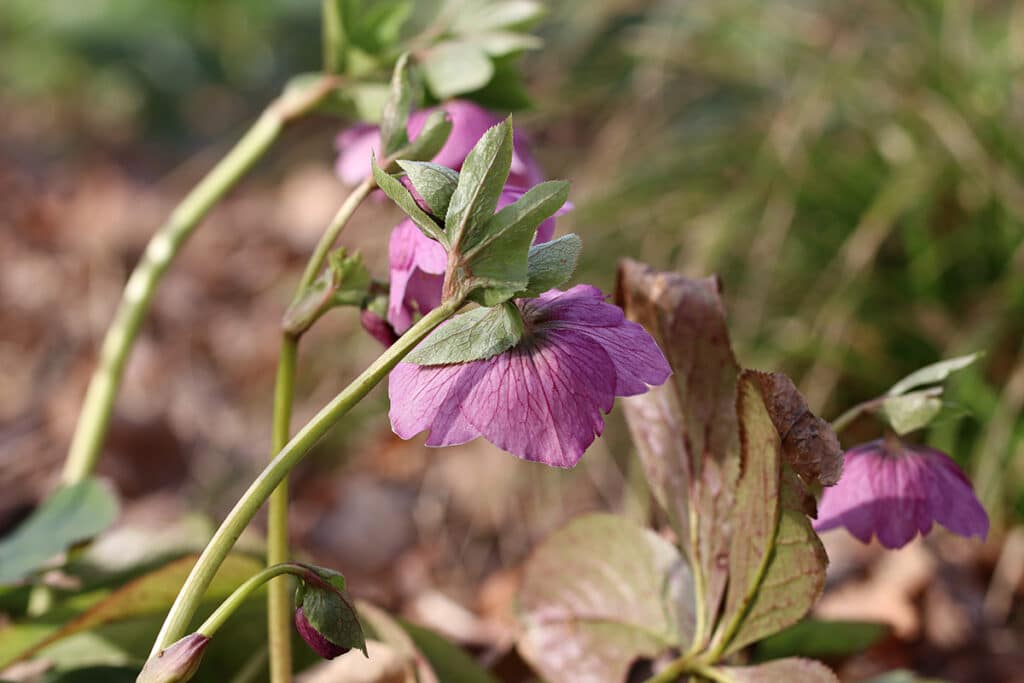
449,662
331,612
151,593
779,671
395,117
481,180
598,594
932,374
484,16
345,282
496,255
91,674
476,335
505,91
431,139
71,515
398,194
551,264
456,67
434,182
818,638
502,43
908,412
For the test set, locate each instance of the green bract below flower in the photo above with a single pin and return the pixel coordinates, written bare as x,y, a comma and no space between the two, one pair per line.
541,398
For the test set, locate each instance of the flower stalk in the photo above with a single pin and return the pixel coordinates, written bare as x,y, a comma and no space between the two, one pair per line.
94,419
259,491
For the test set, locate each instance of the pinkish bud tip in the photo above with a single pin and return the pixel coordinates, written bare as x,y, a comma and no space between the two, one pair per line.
315,639
177,663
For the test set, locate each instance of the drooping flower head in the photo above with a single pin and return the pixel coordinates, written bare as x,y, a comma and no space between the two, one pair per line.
316,640
543,399
895,491
417,264
469,122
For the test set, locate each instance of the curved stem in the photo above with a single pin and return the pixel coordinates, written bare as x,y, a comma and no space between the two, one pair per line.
234,524
279,633
242,593
673,671
98,405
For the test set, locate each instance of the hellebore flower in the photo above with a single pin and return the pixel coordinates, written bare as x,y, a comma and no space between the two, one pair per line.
417,265
316,640
894,491
177,663
469,122
542,399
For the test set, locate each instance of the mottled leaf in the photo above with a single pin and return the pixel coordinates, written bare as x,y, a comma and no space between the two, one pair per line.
808,443
433,182
475,335
792,581
600,593
551,264
908,412
151,593
686,430
932,374
780,671
71,515
455,67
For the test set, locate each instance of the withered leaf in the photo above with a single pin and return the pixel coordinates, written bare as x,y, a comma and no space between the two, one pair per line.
788,670
808,443
686,430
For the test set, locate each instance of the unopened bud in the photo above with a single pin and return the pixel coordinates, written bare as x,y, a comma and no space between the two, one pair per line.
316,640
177,663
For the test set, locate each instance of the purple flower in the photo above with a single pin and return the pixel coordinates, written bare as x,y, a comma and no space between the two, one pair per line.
895,491
469,122
541,400
417,265
316,640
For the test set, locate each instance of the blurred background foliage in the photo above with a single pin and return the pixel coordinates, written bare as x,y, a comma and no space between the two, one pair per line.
853,171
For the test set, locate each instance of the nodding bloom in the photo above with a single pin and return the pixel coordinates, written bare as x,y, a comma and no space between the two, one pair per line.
417,264
316,640
895,491
542,399
469,122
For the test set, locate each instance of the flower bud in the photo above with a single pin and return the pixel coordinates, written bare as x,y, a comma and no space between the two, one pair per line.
379,328
177,663
316,641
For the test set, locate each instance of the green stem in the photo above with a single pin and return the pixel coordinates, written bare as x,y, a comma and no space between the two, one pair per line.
242,593
278,599
847,418
94,418
673,671
279,632
234,524
330,236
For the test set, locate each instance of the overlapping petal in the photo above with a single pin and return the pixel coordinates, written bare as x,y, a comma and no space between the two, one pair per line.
542,400
895,492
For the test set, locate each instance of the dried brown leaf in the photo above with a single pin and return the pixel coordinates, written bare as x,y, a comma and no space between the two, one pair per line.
809,445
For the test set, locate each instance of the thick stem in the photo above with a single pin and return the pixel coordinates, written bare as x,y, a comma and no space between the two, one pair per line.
279,633
94,418
234,524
